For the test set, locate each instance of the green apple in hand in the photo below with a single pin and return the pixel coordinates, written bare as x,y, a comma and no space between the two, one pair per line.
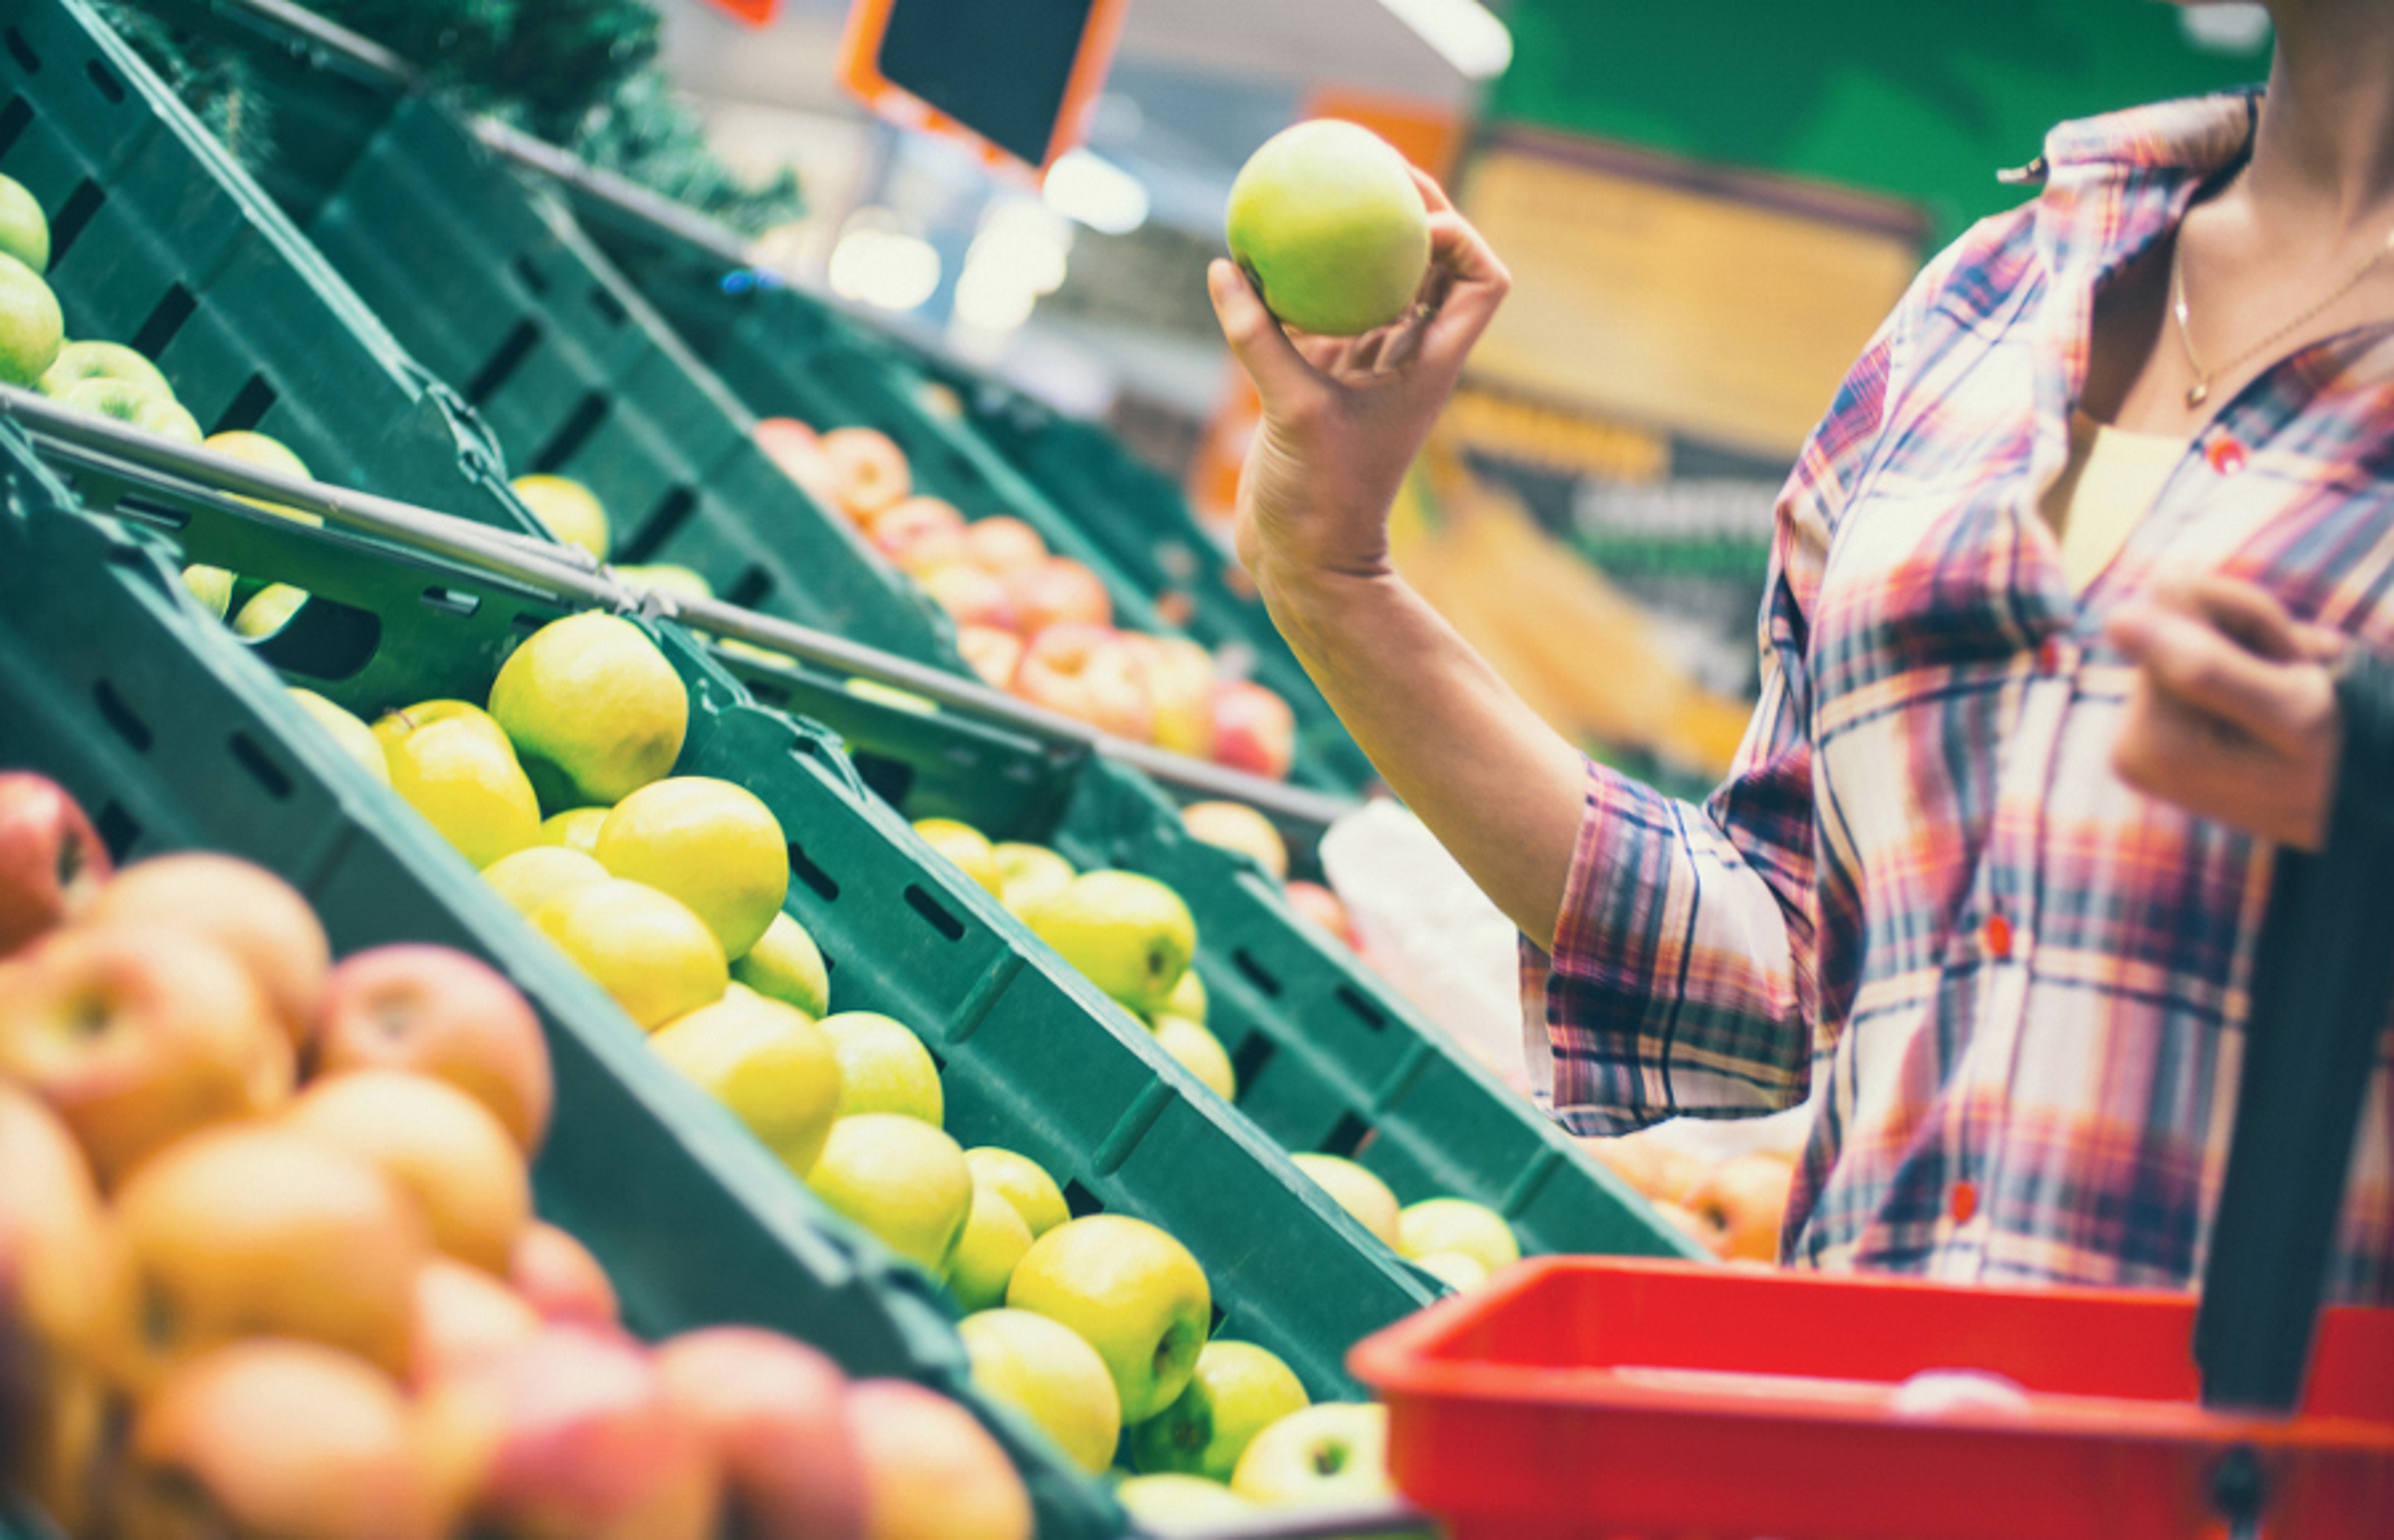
786,965
1132,1292
1042,1367
595,713
1333,1452
24,229
32,327
1239,1390
1022,1182
1130,934
883,1068
1326,219
1458,1225
995,1237
901,1179
1358,1191
1171,1503
767,1062
1027,873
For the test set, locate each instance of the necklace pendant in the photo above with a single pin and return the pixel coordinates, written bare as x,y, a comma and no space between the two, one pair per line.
2197,393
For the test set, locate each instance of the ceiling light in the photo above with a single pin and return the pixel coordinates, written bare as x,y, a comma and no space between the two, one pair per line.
877,265
1099,193
1465,33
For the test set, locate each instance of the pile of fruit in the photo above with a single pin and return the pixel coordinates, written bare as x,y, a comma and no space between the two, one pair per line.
269,1264
1735,1206
1134,937
667,889
1034,623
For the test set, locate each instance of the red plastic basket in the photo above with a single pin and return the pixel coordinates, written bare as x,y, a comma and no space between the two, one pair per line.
1601,1398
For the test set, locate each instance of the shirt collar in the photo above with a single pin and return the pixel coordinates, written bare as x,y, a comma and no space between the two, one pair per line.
2198,134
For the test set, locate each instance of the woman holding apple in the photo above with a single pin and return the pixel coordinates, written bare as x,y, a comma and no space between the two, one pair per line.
2074,593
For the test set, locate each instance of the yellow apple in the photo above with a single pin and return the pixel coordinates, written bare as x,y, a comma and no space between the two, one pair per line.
645,948
995,1239
1458,1270
1200,1053
1236,826
1456,1225
711,844
883,1068
1130,934
787,966
356,739
1042,1368
267,611
1170,1505
1358,1191
451,763
32,327
536,873
266,454
25,229
567,509
1186,1000
1022,1182
593,708
1337,1452
1134,1294
967,848
576,828
1238,1390
767,1063
1029,872
901,1179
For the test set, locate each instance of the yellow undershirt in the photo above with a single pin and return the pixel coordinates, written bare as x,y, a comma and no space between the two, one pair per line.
2111,482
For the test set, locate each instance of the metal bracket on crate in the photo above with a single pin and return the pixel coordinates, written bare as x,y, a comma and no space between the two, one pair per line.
104,444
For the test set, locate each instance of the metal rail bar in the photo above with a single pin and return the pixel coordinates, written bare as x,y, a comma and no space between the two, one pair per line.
105,443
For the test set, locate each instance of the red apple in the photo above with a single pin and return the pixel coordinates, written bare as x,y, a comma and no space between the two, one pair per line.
1180,687
288,1438
260,919
870,469
1057,590
51,858
1236,826
994,654
934,1472
919,519
589,1446
970,596
1324,908
136,1034
559,1278
1003,544
1087,673
775,1412
1254,730
462,1316
441,1013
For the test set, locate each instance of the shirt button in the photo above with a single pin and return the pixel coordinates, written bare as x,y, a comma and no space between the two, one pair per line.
1998,933
2225,456
2048,656
1965,1201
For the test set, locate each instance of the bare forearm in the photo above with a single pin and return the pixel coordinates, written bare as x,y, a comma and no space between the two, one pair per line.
1502,790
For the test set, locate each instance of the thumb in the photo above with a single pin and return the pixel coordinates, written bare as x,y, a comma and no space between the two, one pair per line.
1255,340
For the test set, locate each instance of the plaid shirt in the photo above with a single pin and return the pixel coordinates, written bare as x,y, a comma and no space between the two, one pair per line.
2022,984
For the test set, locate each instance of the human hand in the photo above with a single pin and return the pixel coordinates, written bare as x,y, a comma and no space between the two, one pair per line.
2233,713
1344,417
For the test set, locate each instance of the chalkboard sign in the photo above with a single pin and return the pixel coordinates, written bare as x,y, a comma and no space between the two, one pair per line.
1014,82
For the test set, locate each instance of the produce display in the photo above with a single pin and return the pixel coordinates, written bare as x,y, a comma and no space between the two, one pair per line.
1033,623
1733,1206
269,1263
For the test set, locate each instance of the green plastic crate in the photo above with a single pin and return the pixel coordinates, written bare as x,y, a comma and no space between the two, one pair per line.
498,294
1328,1057
161,242
172,735
1033,1057
786,354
